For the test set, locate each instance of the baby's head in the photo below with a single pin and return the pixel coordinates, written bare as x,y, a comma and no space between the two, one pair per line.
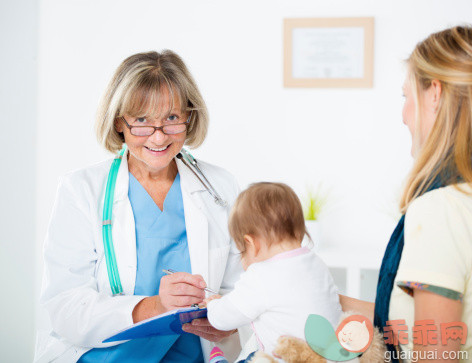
266,219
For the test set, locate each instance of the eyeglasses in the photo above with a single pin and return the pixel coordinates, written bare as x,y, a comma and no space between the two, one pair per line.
171,129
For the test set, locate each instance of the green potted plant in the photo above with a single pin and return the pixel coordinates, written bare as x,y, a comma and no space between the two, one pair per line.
314,203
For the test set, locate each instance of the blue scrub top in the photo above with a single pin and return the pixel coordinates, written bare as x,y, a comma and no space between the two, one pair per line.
161,243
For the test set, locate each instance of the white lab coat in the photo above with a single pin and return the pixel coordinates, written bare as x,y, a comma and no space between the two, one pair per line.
76,292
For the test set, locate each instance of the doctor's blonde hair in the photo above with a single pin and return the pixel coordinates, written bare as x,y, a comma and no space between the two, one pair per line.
445,56
269,210
140,87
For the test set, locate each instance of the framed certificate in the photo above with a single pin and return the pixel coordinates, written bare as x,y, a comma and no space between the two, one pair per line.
328,52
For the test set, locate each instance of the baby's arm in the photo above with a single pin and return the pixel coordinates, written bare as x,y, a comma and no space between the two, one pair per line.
242,305
223,315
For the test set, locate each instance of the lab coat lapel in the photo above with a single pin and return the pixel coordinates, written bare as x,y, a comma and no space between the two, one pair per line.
195,220
124,232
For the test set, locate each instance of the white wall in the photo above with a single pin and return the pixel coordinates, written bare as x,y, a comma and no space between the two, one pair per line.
352,140
18,92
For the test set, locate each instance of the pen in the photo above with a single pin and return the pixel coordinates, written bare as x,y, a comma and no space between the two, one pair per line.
170,272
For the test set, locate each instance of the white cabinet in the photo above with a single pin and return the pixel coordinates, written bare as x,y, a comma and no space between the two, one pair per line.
355,269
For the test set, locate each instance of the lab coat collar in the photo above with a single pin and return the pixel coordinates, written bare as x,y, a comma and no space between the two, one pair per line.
189,181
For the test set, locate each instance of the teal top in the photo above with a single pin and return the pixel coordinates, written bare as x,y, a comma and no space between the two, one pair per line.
161,243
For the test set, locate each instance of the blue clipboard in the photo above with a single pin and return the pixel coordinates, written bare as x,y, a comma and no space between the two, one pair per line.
169,323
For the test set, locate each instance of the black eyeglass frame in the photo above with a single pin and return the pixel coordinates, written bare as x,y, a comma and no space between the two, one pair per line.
161,128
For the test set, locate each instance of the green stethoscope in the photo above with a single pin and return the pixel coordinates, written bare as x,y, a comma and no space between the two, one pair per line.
113,274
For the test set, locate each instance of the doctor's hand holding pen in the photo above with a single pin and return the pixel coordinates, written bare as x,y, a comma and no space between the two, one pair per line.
176,291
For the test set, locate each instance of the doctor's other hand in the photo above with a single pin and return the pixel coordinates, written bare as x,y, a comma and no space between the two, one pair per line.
203,328
176,291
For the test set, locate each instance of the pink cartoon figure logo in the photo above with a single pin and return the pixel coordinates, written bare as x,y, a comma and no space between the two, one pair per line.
355,333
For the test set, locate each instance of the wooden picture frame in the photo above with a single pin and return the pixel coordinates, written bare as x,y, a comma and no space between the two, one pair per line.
328,52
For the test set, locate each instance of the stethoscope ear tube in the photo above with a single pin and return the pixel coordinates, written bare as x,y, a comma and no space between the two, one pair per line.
112,268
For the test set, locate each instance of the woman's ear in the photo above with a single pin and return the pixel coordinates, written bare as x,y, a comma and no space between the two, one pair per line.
118,124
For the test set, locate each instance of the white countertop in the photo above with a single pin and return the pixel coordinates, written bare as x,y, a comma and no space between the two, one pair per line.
362,257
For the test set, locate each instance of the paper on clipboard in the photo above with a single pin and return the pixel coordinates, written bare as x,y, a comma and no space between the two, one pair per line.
169,323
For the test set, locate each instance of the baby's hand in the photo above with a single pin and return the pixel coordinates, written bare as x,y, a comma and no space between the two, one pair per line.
208,299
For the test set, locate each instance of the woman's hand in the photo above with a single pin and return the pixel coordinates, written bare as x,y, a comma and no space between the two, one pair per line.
180,290
359,306
203,328
176,291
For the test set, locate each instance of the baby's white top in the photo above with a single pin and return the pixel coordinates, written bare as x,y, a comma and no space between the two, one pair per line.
277,295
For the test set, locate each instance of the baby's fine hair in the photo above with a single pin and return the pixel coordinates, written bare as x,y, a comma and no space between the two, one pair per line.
269,210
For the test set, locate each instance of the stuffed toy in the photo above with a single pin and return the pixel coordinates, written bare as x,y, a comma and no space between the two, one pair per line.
295,350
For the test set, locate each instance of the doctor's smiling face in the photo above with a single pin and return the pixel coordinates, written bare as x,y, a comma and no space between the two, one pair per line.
154,154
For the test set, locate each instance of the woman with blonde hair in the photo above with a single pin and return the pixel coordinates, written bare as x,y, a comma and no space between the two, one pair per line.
424,293
105,250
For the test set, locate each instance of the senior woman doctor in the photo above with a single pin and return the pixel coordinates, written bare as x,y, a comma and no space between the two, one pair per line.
163,218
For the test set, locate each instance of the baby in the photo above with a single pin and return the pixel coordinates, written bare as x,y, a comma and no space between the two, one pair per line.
284,282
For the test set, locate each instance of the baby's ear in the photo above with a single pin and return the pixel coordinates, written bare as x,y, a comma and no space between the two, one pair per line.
253,243
249,239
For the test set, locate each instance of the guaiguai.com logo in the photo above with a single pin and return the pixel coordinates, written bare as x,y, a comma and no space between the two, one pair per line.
352,337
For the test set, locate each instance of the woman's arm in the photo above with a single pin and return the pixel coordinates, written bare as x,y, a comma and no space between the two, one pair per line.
359,306
440,309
